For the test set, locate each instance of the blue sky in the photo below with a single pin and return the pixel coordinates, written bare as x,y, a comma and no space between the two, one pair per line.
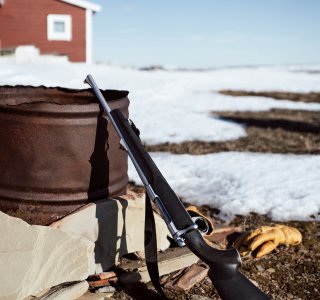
207,33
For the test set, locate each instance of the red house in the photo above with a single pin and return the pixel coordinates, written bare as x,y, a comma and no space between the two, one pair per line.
53,26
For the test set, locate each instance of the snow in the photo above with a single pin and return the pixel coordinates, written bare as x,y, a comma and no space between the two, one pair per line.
173,106
176,106
286,187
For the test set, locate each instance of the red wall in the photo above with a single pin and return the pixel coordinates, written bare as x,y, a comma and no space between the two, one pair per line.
24,22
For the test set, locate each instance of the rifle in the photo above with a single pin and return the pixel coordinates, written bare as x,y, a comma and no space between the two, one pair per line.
224,272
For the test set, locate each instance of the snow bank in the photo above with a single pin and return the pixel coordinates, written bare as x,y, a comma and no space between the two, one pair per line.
173,106
286,187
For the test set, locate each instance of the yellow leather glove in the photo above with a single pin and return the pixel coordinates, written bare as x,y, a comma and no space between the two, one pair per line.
266,238
194,212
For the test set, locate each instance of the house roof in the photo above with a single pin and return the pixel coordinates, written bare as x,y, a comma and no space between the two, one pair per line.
84,4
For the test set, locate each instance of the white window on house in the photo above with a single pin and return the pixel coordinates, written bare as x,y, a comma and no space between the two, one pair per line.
59,27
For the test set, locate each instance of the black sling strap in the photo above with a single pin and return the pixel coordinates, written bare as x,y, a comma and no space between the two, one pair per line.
150,237
150,247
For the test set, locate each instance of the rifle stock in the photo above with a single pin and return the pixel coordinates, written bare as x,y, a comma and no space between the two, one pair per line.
224,272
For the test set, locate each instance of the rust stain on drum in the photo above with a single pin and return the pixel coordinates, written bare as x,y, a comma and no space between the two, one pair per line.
57,152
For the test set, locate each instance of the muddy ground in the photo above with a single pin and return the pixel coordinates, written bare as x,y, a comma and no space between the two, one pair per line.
289,272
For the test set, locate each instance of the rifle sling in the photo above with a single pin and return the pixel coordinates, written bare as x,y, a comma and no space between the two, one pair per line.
150,247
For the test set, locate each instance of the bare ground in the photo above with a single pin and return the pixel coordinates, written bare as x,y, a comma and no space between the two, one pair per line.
302,97
289,272
275,131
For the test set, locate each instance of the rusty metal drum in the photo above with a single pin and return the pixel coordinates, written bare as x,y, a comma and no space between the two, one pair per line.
57,151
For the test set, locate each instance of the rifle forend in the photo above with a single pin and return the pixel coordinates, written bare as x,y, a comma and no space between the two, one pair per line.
224,272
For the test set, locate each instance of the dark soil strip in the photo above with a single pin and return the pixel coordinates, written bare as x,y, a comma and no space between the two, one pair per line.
302,97
275,131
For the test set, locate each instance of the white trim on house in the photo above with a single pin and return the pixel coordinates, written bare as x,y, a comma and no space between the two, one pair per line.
59,27
90,9
84,4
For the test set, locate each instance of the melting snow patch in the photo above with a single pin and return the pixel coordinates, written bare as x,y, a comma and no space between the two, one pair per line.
286,187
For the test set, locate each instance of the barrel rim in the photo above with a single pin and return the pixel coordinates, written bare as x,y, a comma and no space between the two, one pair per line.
52,100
